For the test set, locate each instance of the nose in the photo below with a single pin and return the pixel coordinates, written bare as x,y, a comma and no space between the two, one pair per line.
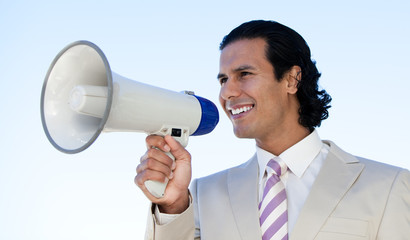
229,90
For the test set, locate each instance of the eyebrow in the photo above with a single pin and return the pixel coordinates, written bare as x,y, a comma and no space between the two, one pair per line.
238,69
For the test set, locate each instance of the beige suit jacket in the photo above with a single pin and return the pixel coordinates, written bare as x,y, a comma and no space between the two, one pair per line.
352,198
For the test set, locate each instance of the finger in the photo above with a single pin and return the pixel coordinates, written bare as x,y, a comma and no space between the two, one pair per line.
158,155
158,142
154,165
140,180
146,175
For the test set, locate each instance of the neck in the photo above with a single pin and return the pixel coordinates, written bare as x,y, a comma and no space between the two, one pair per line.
278,143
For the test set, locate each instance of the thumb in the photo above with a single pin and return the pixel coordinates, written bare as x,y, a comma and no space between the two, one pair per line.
177,149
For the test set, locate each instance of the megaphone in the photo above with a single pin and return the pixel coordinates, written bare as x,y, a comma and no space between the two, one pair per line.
81,98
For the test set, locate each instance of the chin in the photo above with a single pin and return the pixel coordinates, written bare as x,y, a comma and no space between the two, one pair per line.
242,133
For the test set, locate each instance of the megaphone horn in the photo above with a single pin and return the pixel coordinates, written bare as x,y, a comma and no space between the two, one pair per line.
82,97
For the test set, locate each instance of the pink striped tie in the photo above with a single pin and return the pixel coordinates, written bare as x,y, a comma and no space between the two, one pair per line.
273,208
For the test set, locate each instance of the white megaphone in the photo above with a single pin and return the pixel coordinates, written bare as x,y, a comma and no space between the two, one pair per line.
82,97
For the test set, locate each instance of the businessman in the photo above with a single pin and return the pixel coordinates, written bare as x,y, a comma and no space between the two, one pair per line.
296,186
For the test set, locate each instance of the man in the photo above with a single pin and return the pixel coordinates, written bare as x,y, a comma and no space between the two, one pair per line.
269,90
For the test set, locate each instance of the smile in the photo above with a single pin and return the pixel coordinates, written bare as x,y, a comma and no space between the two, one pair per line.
240,110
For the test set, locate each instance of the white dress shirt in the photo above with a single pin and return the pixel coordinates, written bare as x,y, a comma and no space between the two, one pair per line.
304,160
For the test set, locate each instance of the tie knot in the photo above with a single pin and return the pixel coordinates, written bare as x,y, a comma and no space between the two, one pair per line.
276,166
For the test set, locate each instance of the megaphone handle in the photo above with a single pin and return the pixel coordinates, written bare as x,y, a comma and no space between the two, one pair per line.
180,134
156,188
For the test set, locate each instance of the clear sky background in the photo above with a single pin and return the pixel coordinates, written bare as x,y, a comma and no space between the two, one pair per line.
361,48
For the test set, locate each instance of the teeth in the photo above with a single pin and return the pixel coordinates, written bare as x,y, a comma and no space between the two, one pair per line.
240,110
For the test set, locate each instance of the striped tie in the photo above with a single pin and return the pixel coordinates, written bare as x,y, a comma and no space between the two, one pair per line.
273,208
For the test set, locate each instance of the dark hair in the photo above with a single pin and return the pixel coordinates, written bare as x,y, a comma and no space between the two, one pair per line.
285,49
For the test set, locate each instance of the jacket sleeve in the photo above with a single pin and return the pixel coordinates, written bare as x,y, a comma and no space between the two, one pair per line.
396,218
180,228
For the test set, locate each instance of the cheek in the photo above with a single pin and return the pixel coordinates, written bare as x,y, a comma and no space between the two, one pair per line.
222,102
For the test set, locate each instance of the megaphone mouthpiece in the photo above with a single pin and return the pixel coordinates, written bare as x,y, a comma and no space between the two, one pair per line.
89,100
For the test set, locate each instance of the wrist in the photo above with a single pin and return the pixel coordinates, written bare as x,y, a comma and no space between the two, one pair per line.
177,207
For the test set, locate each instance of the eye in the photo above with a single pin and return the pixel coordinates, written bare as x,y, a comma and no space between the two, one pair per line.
223,80
244,74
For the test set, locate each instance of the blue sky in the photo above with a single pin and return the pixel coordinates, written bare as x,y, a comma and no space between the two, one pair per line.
361,48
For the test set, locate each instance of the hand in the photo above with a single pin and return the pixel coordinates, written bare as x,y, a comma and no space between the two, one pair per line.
156,165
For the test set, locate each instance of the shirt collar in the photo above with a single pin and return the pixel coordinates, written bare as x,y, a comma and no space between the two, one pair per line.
297,158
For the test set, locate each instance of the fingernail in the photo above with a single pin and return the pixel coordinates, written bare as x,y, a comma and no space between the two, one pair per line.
167,148
171,175
174,165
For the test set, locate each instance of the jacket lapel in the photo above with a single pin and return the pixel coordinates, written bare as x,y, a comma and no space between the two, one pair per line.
339,171
243,194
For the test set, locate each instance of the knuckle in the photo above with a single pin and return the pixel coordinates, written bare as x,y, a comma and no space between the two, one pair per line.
138,181
141,167
143,157
154,140
150,138
169,162
149,163
151,152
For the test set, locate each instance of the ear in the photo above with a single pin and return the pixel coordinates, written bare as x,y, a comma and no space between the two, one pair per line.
293,77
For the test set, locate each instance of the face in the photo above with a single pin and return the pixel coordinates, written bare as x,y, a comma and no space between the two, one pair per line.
257,104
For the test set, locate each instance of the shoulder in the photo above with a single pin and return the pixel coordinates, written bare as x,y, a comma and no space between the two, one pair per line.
374,171
382,174
383,169
348,158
